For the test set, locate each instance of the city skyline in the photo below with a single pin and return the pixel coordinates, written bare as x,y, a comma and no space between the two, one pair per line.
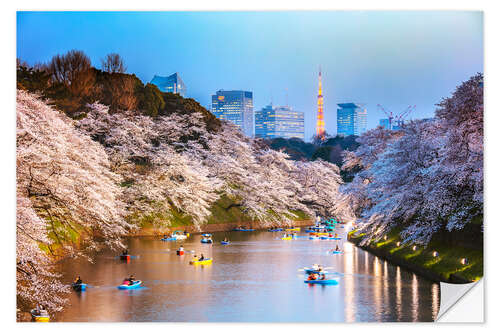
371,57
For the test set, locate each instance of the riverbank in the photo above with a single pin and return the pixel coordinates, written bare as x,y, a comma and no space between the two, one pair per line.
211,227
437,262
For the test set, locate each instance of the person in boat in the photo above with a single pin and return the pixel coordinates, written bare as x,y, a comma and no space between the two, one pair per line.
225,239
125,252
312,276
336,235
337,248
315,267
130,280
78,280
201,257
185,232
40,310
322,276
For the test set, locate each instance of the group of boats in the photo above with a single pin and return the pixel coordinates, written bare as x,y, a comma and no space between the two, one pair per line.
316,274
175,236
205,238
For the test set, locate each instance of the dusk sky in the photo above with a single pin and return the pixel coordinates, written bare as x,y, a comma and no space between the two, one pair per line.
395,58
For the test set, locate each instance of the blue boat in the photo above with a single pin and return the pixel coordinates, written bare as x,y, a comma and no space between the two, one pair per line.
313,237
275,230
335,238
243,229
134,285
79,286
206,240
224,243
333,282
168,239
336,252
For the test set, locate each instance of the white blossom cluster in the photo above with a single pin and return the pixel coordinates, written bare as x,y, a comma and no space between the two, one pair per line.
64,188
426,177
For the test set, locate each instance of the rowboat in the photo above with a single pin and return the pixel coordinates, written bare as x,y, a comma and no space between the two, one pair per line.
79,286
41,316
205,261
332,282
134,285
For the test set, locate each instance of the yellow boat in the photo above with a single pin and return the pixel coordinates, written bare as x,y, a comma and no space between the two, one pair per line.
42,319
293,229
202,262
40,316
286,238
321,233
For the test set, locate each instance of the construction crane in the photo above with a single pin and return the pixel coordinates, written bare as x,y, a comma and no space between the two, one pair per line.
401,117
389,114
398,119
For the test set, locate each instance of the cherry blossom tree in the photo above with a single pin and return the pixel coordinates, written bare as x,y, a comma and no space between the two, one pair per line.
155,158
428,177
67,197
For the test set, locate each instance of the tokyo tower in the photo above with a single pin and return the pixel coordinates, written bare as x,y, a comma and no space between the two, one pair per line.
320,122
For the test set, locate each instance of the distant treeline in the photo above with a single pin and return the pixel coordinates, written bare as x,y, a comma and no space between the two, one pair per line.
330,150
70,83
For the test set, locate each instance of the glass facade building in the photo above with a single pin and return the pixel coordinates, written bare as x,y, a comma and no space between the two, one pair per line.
235,106
394,125
384,123
279,122
171,84
351,119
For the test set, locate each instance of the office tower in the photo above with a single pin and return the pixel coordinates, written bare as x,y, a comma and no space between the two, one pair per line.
172,84
235,106
385,123
351,119
279,122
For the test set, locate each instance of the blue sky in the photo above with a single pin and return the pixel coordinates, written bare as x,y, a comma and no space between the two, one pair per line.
393,58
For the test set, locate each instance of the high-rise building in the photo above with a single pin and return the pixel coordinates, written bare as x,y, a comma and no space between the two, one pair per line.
171,84
235,106
351,119
279,122
391,125
385,123
320,121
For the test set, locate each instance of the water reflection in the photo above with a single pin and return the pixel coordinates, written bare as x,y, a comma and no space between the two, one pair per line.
254,279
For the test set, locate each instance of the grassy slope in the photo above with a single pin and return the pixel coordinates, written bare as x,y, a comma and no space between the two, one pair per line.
222,212
447,263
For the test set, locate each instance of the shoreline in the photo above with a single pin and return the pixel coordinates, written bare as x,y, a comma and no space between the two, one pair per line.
213,227
412,267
